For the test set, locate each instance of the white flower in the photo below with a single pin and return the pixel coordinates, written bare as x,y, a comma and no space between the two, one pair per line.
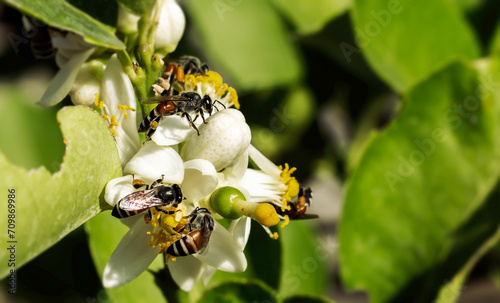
87,83
127,21
170,26
173,130
133,255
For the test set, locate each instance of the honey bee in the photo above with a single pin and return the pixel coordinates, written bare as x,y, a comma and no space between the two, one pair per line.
298,207
187,103
155,195
200,227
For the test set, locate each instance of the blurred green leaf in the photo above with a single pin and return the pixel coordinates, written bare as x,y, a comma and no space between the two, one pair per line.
418,182
495,41
60,14
248,40
38,140
305,259
310,16
138,7
405,41
468,5
57,204
239,291
307,299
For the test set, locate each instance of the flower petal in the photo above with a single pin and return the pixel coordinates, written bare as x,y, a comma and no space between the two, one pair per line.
172,130
262,162
60,86
208,274
116,89
131,257
222,252
153,161
241,231
170,26
186,271
200,179
118,188
235,171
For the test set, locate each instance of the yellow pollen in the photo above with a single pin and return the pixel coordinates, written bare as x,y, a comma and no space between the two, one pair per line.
287,220
291,183
190,81
112,124
164,234
154,125
97,103
234,97
274,236
125,108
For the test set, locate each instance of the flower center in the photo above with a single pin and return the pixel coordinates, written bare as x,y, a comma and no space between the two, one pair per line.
211,84
292,185
165,226
113,122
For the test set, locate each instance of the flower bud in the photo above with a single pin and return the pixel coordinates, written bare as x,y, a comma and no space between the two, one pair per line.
225,137
127,22
170,27
87,83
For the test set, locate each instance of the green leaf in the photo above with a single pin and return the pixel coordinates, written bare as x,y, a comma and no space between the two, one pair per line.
138,7
418,182
248,40
406,41
38,140
495,41
310,16
105,232
305,260
51,206
60,14
103,11
238,291
468,5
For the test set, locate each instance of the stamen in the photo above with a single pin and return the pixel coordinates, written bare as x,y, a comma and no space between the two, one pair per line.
97,103
125,108
112,124
163,224
287,220
291,183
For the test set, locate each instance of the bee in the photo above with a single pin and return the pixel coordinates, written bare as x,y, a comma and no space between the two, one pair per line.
187,103
155,195
298,207
178,69
40,40
200,227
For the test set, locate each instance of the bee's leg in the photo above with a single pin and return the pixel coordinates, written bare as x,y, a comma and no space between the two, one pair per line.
191,122
137,183
167,212
148,216
157,181
203,116
220,104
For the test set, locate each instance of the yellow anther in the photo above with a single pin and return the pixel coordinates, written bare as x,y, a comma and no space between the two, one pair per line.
105,117
274,236
234,97
125,108
291,183
287,220
97,103
190,81
173,259
211,77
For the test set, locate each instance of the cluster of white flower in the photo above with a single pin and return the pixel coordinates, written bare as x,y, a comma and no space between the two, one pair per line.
211,167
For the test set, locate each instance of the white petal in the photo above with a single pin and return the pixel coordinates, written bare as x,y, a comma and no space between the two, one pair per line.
127,22
208,274
186,271
224,138
200,179
262,162
117,89
222,252
236,170
153,161
241,231
170,27
172,130
131,257
118,188
60,86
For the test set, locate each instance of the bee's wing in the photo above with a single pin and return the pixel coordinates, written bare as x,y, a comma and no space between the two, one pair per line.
140,200
207,232
159,99
306,217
